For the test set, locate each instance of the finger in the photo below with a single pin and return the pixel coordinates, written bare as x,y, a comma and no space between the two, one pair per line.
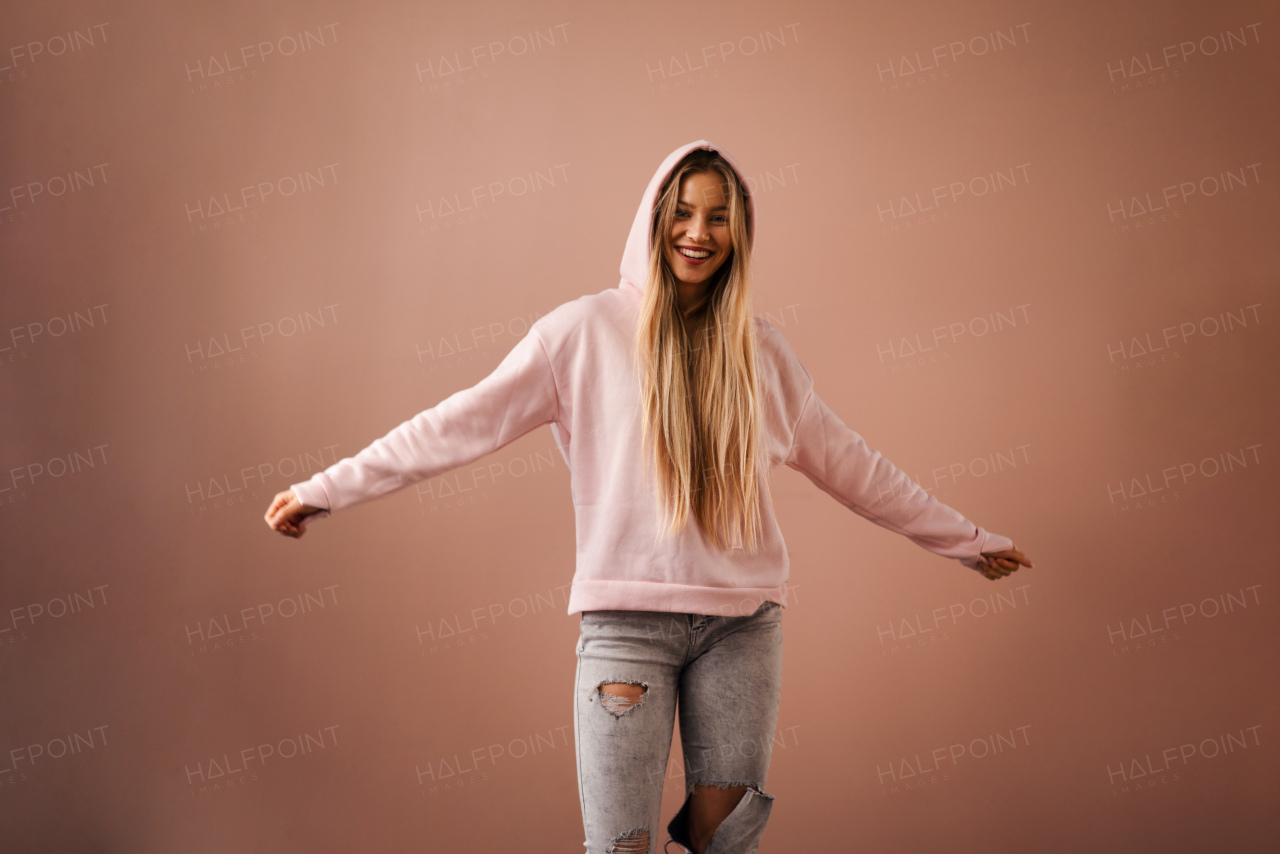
279,514
1014,554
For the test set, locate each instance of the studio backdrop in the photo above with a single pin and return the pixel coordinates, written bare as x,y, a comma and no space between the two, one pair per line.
1026,249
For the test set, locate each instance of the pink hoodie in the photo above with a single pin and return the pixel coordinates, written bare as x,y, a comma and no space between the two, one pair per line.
573,370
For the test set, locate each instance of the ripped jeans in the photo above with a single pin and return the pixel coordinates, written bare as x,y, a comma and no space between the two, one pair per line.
723,673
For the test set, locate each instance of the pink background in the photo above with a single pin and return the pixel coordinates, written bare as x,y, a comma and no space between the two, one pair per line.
1081,355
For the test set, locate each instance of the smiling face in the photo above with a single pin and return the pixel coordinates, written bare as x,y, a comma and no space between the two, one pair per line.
699,242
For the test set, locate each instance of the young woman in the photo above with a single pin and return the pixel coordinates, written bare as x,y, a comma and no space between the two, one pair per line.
671,402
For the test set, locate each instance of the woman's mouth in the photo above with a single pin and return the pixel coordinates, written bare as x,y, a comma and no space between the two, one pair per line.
694,256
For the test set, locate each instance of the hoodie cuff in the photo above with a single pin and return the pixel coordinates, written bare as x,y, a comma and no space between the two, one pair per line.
990,543
312,494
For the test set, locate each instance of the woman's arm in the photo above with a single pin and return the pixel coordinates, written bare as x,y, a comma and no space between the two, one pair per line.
519,396
838,460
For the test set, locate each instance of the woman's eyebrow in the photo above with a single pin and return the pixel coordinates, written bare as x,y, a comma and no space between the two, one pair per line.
694,205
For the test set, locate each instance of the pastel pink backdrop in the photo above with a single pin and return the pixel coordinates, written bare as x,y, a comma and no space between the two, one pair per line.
1026,249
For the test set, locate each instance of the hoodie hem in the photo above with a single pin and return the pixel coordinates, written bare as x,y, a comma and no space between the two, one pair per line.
609,595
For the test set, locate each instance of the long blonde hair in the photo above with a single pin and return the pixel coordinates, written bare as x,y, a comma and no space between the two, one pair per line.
700,399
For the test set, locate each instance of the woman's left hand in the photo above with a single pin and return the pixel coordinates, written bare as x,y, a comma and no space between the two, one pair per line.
996,565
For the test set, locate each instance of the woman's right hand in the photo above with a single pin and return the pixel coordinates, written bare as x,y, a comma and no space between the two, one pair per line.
996,565
286,514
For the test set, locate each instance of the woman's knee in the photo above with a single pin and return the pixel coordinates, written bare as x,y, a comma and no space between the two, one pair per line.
631,842
722,818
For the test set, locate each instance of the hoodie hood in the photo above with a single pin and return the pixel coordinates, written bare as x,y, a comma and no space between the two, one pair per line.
635,258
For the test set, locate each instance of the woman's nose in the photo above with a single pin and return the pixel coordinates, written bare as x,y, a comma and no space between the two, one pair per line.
697,228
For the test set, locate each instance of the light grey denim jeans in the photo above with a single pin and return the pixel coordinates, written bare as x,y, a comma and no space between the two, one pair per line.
723,673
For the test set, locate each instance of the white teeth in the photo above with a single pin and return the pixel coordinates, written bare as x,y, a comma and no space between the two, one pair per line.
694,254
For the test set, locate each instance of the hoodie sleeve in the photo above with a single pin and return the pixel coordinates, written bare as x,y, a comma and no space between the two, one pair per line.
838,460
519,396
